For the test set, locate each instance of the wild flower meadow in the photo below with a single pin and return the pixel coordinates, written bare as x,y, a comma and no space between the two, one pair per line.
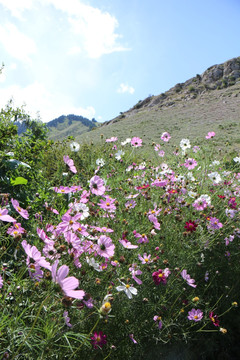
106,256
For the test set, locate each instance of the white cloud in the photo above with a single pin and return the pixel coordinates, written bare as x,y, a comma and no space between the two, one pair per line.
16,7
17,44
125,88
93,31
38,99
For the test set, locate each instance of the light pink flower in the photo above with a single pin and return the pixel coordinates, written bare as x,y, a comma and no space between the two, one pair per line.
67,284
15,230
67,319
20,210
127,244
188,279
145,259
166,136
5,217
112,139
136,142
97,186
105,246
70,163
1,282
190,164
195,315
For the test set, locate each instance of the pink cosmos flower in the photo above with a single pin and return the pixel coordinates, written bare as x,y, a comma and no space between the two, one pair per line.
1,282
21,211
97,186
135,271
98,340
62,189
132,338
210,135
142,238
161,153
195,315
105,246
145,259
190,164
34,255
5,217
127,244
15,230
159,320
70,163
136,142
130,204
166,136
188,279
214,224
112,139
67,319
107,204
67,284
200,204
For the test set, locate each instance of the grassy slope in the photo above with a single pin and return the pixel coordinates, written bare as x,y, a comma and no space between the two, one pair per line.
64,129
215,110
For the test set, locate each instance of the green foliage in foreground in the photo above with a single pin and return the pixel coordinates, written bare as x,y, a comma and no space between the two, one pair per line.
173,277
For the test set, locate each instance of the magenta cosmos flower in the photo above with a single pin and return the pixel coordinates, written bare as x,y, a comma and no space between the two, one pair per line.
67,284
98,340
20,210
105,246
195,315
190,226
136,142
166,136
97,186
214,318
160,276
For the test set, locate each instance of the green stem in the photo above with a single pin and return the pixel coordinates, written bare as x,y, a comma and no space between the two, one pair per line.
38,313
87,336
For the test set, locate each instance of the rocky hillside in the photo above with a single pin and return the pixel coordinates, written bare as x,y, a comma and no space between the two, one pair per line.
206,102
214,78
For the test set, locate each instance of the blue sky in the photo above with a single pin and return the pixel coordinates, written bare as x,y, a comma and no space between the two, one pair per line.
97,58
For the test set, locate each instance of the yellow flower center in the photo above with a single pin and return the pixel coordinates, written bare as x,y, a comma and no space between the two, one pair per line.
195,317
160,275
127,286
108,204
146,260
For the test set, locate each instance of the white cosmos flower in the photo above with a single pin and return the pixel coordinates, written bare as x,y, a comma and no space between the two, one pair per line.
91,261
82,209
129,290
215,177
185,144
237,159
206,198
127,141
100,162
74,146
119,154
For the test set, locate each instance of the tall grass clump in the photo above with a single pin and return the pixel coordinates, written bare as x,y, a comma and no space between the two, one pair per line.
106,256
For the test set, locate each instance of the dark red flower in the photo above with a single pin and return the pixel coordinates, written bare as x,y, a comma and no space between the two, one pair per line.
214,318
190,226
221,196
